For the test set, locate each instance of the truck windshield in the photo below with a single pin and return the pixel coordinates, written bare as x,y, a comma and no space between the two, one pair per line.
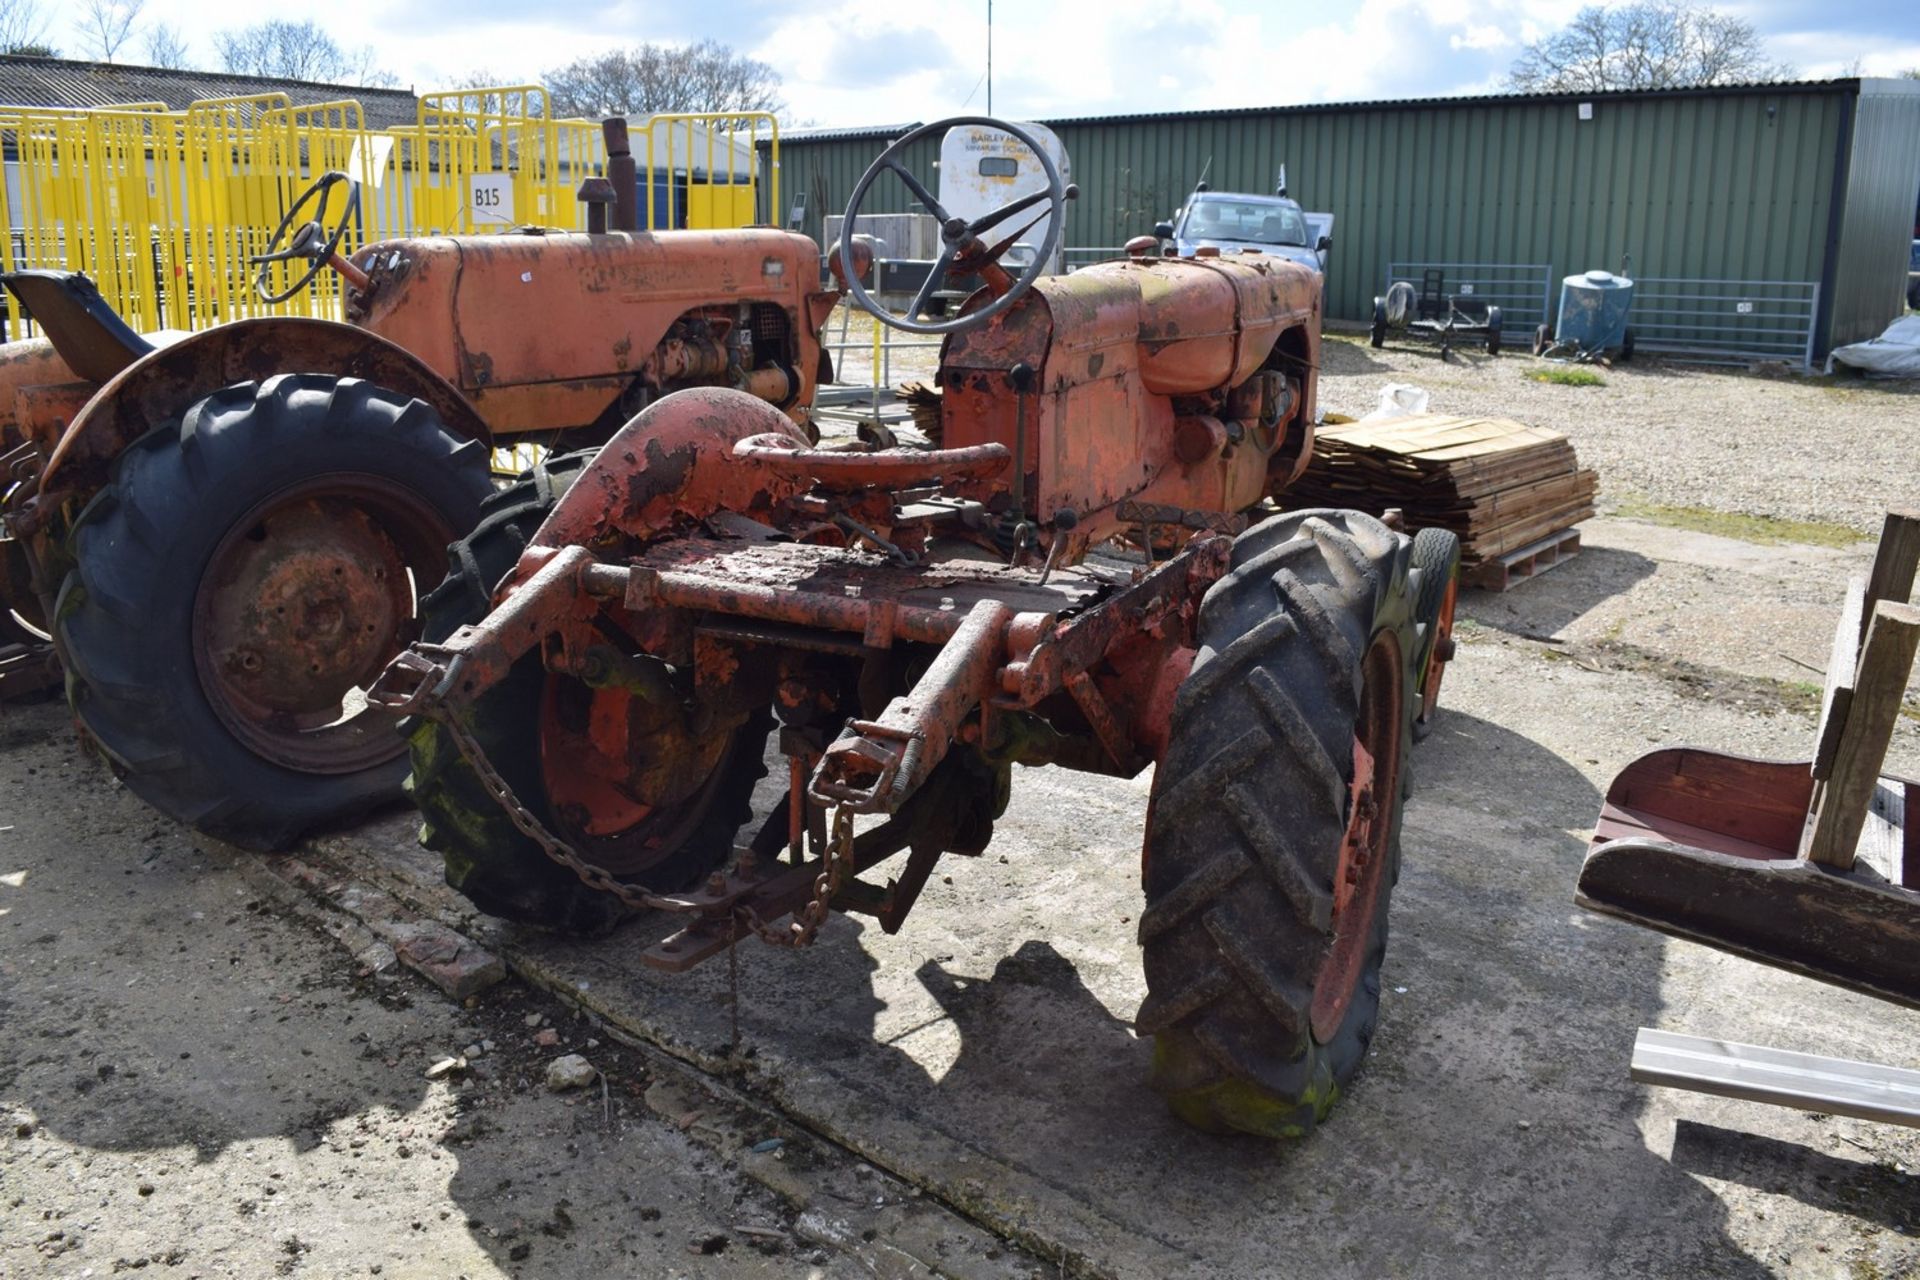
1255,222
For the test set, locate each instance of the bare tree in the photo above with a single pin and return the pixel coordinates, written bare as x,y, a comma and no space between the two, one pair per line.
296,51
166,47
106,25
1653,44
650,78
23,29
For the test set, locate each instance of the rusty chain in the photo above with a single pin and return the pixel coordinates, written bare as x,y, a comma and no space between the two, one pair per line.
531,827
835,863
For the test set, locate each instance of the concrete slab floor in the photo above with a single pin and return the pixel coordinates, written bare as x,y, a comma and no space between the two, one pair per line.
985,1054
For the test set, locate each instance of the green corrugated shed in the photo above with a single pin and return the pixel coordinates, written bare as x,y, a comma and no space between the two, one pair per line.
1804,181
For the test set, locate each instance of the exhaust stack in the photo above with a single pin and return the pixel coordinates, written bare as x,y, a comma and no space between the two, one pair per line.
622,172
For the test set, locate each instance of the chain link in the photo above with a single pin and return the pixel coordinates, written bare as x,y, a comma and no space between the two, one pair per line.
835,864
531,827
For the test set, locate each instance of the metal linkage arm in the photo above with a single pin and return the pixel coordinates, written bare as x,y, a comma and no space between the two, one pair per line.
878,764
428,678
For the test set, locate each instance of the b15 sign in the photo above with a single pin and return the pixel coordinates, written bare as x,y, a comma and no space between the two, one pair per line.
490,196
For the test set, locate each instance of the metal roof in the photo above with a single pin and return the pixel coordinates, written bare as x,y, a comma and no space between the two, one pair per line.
1473,100
832,134
61,82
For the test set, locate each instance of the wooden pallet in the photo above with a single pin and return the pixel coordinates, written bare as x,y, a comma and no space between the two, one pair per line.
1529,561
1503,487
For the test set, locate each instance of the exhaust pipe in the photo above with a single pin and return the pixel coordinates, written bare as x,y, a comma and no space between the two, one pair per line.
623,173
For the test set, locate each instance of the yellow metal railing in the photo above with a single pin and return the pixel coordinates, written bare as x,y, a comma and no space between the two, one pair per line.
163,209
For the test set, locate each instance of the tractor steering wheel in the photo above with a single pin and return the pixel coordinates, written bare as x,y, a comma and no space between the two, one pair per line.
310,239
962,248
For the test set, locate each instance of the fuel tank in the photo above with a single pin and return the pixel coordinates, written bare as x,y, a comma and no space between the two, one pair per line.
1127,356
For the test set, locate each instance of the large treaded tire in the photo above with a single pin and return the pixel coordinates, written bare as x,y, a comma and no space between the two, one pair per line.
487,858
1248,817
124,616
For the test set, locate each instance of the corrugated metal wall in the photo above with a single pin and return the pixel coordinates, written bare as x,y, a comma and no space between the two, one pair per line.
1882,182
1716,183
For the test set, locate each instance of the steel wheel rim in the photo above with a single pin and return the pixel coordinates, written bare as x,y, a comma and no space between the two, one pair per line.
1439,649
631,837
1360,871
301,604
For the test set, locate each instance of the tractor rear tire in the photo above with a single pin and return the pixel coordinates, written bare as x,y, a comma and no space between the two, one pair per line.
302,489
1263,986
487,857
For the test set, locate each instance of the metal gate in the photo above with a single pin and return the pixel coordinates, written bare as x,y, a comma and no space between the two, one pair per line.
1736,321
1522,291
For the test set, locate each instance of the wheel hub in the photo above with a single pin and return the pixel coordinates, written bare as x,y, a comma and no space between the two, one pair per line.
299,607
306,608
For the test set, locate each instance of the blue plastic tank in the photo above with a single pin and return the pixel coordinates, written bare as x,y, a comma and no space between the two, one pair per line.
1593,310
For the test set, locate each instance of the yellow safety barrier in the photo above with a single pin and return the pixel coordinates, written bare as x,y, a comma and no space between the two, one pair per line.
702,170
164,209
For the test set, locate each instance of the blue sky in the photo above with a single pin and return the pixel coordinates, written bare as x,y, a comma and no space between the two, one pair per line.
847,64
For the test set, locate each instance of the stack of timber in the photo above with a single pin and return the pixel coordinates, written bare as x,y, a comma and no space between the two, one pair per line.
1511,492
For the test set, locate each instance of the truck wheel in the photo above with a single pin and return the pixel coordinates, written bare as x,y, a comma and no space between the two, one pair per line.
1436,556
244,575
490,860
1273,833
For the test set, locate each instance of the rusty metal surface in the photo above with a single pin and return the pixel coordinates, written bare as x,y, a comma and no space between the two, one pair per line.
1122,350
708,531
299,608
522,311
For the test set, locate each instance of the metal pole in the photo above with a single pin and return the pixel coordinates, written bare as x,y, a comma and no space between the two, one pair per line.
989,57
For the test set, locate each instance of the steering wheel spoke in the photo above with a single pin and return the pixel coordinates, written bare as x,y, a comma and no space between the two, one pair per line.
961,241
1005,211
920,192
923,299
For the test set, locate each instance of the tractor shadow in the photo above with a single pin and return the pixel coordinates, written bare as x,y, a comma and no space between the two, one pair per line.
987,1052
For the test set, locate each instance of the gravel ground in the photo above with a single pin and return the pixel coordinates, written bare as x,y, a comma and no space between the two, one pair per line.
1832,450
1836,451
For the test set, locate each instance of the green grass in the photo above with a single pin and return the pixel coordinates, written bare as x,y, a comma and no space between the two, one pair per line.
1567,377
1728,524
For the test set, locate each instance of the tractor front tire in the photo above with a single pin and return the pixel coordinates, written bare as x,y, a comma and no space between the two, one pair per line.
487,857
244,570
1262,967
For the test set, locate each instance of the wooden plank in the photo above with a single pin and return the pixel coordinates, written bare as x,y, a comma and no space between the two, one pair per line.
1894,562
1838,694
1880,683
1811,1082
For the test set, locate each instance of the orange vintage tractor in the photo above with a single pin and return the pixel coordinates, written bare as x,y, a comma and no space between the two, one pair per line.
225,533
605,663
